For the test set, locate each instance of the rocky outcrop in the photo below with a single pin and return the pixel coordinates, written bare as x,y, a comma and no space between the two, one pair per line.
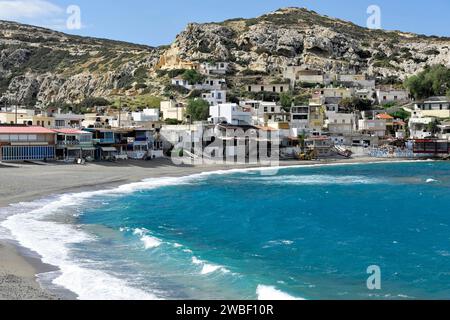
40,66
295,36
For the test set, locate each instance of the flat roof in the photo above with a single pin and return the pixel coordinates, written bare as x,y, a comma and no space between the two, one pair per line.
71,131
24,129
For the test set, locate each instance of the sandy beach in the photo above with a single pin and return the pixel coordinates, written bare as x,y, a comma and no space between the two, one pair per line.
27,182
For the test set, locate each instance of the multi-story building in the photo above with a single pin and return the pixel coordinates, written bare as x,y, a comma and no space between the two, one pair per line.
388,95
342,123
230,113
214,68
215,97
74,144
207,84
438,107
171,109
299,120
376,127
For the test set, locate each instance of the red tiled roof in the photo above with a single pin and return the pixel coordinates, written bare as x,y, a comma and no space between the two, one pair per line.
384,116
29,129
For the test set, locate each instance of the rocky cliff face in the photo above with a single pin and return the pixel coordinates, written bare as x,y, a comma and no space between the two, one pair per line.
40,66
296,36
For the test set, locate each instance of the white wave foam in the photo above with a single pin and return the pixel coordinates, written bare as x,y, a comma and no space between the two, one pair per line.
268,293
431,180
208,268
149,241
52,241
316,180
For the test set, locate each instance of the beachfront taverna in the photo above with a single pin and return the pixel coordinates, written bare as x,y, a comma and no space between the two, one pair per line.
21,143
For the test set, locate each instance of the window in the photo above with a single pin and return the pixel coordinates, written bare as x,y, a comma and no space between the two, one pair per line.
262,88
249,88
273,109
281,89
274,89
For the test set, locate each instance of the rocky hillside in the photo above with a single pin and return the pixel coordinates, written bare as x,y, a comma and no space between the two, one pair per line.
40,66
295,36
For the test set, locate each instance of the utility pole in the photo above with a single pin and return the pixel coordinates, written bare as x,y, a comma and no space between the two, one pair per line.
120,111
16,113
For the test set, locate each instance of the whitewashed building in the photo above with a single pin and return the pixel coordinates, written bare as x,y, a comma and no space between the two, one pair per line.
342,123
376,127
214,68
207,84
146,115
419,127
276,88
215,97
230,113
299,120
391,95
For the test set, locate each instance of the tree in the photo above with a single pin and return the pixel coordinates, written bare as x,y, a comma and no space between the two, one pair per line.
286,101
433,81
192,77
198,109
433,127
353,104
401,114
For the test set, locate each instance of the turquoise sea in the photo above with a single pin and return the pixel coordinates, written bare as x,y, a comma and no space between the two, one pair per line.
306,233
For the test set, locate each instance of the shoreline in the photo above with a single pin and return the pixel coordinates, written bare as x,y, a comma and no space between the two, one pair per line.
19,267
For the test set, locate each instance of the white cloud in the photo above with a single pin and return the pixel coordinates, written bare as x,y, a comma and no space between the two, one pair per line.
28,9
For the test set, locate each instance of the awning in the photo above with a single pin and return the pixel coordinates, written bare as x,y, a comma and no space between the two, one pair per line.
88,148
73,148
109,149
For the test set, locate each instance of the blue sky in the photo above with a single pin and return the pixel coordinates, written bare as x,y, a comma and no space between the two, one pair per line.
158,22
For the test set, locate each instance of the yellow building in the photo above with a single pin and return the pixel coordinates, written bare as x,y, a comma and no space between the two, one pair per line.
27,117
316,116
21,117
172,110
